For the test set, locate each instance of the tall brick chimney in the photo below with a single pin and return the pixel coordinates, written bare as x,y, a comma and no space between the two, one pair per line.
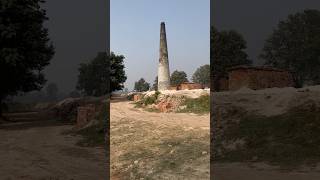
163,68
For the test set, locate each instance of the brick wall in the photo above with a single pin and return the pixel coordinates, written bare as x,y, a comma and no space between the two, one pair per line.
223,85
259,78
189,86
173,88
85,114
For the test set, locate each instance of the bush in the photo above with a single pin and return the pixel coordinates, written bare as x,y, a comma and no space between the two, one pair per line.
197,105
148,100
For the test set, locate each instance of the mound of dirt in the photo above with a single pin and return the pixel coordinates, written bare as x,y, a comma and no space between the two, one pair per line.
267,125
267,102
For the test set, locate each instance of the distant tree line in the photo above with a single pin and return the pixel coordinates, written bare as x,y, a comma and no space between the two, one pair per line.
201,76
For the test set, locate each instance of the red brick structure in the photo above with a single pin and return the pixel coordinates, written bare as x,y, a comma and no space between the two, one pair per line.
85,114
189,85
223,85
173,88
136,97
259,78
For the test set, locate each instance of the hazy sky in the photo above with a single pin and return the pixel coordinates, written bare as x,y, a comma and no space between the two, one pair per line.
255,19
77,29
135,33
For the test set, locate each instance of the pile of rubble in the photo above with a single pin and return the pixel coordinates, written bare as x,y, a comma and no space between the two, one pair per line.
169,100
168,103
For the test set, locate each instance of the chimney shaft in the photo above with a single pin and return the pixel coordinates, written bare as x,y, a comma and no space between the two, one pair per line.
163,68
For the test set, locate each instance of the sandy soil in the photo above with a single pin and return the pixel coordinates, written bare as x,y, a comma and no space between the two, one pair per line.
39,149
154,145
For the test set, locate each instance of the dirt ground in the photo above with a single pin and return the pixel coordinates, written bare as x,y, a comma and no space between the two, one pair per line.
232,171
150,145
267,102
39,149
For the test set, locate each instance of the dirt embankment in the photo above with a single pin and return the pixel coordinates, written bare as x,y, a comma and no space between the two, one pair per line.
266,134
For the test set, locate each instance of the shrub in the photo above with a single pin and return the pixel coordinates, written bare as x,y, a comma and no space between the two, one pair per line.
197,105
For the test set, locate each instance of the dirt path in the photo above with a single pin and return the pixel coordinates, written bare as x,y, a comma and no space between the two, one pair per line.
154,145
38,149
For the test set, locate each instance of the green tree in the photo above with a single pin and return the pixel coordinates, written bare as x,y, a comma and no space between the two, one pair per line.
227,49
141,85
178,77
155,84
52,91
117,73
295,45
202,75
94,77
25,47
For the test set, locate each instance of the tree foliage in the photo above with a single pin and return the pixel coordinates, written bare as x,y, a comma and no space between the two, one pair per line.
227,49
141,85
295,45
178,77
117,73
202,75
95,79
25,48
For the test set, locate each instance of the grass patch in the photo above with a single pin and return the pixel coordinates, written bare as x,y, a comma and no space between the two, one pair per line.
199,105
288,140
186,150
158,155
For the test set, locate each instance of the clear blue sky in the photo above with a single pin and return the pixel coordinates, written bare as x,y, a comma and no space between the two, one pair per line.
135,33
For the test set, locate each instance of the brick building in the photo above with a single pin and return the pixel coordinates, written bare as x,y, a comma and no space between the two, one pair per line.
258,78
189,85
